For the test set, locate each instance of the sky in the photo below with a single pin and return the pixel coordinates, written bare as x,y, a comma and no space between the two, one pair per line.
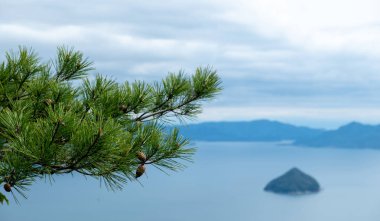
313,63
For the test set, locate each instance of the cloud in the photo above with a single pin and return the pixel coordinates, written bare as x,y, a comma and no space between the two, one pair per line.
270,54
323,25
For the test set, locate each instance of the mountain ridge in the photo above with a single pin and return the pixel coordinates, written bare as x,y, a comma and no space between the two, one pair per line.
257,130
351,135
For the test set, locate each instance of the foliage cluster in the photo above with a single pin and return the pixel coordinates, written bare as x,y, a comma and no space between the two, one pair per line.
55,120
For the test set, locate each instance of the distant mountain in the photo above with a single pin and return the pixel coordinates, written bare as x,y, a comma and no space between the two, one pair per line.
259,130
352,135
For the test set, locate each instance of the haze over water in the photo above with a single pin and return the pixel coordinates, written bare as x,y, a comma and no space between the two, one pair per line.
224,183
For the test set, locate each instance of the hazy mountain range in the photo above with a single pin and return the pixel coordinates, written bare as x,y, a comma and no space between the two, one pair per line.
352,135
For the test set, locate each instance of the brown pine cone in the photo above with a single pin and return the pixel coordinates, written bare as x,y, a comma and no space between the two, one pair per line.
7,187
140,170
141,156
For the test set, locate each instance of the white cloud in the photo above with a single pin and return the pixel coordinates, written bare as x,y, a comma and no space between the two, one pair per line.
43,34
326,25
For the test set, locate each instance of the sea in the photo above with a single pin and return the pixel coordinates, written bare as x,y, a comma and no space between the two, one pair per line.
224,183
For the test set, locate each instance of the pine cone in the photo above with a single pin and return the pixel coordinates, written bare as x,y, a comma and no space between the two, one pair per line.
140,170
49,101
141,156
123,108
7,187
100,131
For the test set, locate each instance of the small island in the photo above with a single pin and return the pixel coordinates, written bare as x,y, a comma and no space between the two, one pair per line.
293,182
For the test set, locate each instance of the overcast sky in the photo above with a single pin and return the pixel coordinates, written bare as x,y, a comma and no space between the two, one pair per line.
312,62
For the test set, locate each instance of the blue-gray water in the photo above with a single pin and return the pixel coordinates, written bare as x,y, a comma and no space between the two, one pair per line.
225,183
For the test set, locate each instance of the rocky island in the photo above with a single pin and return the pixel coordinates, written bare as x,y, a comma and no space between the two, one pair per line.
293,182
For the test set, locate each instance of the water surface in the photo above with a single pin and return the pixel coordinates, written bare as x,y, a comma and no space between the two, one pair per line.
225,183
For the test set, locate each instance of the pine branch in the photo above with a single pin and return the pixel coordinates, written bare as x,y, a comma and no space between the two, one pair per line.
49,127
89,149
160,113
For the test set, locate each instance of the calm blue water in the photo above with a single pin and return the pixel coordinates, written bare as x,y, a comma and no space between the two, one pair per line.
224,183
